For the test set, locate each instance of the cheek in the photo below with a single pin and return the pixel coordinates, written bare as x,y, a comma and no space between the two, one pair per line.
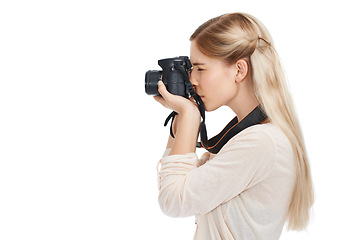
218,90
213,84
209,82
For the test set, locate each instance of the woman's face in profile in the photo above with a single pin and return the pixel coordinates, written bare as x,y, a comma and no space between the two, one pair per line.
213,79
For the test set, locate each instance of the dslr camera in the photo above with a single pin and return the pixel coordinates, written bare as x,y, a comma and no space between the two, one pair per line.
174,74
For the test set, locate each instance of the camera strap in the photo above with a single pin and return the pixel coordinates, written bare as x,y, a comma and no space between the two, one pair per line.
214,145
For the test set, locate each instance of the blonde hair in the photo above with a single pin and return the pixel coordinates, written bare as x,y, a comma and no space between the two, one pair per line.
231,37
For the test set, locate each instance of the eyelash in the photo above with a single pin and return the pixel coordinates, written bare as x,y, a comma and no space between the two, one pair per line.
198,69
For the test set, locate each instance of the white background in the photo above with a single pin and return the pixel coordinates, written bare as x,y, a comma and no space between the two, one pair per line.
79,138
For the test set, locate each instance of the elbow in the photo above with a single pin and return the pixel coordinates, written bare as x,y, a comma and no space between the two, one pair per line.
168,206
173,206
172,211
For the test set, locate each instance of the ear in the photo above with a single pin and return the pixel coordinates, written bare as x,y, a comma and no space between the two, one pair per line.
241,70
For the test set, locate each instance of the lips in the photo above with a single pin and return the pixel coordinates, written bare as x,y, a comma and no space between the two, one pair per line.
197,93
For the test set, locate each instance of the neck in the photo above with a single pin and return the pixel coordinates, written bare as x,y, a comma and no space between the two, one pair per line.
244,103
245,110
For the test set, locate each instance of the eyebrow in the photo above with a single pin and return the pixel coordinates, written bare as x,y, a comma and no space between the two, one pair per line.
196,64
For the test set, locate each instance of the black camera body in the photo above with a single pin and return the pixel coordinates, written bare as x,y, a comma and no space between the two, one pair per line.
175,76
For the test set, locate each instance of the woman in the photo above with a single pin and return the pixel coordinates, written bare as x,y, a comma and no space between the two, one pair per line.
261,177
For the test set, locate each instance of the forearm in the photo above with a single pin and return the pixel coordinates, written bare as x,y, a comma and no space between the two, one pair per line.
173,178
171,140
186,133
188,121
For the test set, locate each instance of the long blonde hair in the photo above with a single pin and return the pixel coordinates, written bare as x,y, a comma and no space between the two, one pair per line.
231,37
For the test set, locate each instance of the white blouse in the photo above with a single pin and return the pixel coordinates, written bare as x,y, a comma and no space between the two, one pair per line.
243,192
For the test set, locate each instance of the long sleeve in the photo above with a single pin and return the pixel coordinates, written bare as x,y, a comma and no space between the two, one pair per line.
186,189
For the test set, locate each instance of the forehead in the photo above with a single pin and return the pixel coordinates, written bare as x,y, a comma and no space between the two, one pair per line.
198,58
195,54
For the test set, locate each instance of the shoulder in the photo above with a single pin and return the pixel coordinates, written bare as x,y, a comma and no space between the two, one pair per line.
258,134
253,150
265,137
262,132
253,142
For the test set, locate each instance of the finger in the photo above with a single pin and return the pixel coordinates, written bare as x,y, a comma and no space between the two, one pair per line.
162,90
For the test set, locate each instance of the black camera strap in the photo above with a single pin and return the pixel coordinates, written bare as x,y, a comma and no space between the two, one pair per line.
214,145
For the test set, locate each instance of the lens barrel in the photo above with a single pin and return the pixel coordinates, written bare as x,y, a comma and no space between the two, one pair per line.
151,81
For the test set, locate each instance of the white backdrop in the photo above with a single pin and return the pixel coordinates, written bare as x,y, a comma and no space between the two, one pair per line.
79,138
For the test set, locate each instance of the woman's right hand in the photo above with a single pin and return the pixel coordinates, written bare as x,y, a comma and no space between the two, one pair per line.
179,104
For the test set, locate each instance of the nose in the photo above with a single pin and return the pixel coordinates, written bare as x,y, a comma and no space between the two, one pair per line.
193,80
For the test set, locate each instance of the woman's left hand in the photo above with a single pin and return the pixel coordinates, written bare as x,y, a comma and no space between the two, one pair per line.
176,103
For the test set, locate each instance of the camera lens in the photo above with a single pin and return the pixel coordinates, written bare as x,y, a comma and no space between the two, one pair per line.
151,82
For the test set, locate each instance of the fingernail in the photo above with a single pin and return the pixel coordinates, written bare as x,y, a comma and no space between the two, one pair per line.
159,83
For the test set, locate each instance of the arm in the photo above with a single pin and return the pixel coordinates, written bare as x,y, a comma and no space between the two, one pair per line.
186,189
174,130
187,133
187,121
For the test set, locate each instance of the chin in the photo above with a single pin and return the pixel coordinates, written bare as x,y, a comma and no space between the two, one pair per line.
211,108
